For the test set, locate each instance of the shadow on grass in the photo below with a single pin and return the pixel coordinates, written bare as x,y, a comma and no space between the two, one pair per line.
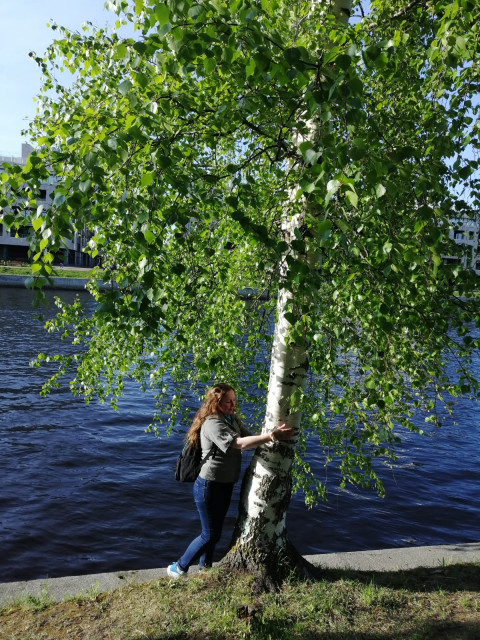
422,623
448,578
273,631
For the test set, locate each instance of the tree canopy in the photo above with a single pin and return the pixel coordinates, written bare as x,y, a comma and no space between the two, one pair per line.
186,136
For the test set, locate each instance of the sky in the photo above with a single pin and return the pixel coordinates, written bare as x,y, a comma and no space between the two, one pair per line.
23,28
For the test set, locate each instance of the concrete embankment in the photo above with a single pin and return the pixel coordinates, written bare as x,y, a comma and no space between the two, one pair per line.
402,559
74,284
78,284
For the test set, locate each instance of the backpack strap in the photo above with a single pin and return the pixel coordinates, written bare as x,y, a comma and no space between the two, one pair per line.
212,452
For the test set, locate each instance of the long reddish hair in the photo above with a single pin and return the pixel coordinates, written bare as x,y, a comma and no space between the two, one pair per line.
209,407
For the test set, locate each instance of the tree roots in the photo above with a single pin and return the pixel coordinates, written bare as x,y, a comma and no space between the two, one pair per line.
269,568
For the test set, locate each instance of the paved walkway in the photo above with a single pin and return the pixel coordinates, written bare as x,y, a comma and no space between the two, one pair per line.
379,560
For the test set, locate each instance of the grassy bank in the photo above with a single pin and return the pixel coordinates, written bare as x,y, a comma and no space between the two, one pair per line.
422,604
58,272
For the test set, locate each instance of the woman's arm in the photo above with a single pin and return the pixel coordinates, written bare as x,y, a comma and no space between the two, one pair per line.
250,442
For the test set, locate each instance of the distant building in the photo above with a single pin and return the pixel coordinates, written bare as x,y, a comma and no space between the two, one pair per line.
14,243
465,232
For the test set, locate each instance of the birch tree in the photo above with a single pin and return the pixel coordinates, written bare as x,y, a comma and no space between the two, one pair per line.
316,153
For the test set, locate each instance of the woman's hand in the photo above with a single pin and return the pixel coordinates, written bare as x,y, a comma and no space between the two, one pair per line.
282,433
249,442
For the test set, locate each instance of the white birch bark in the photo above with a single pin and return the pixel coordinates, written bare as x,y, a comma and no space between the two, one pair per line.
260,534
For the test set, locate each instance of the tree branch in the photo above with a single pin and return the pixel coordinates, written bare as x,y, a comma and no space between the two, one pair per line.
406,9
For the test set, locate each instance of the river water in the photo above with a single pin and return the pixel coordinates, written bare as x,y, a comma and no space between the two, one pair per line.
86,490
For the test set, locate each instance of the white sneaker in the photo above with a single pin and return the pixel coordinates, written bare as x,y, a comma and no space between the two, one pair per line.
175,572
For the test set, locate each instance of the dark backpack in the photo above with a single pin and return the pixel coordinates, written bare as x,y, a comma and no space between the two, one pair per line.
190,461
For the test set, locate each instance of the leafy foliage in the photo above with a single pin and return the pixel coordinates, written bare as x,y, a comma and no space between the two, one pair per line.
179,146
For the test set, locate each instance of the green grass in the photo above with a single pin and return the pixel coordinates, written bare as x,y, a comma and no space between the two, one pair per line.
422,604
58,272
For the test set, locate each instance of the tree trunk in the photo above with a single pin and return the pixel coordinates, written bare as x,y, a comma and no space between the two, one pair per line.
260,542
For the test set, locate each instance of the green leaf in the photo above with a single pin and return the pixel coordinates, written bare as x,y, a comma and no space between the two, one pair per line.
380,190
332,187
149,236
307,185
250,68
310,156
90,159
164,29
352,198
293,55
124,87
162,13
323,231
147,178
37,223
358,149
412,255
59,199
291,317
121,51
209,65
331,55
460,44
195,11
248,14
305,146
343,61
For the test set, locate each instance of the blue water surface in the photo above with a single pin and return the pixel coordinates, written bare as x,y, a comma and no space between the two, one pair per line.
86,490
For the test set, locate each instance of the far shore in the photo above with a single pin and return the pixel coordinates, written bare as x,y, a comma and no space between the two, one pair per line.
71,278
74,278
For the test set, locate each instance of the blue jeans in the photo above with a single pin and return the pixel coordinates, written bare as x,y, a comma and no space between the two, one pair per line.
212,500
